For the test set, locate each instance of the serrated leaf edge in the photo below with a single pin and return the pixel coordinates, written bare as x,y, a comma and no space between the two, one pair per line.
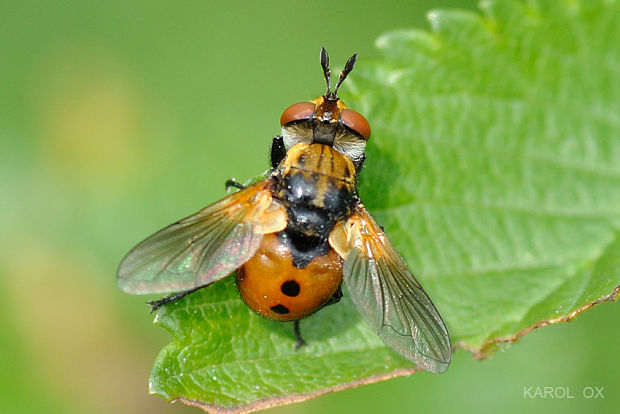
487,348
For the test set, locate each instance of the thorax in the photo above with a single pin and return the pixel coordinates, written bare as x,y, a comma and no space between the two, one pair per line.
317,177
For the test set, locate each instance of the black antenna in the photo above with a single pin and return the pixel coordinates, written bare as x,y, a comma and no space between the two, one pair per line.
326,73
343,75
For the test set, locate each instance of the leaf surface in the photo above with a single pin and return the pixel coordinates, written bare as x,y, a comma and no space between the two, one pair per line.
494,166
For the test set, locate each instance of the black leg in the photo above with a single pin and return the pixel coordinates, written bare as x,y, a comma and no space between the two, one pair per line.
300,340
234,183
278,152
156,304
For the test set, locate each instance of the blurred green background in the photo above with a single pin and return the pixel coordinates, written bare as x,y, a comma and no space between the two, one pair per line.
118,118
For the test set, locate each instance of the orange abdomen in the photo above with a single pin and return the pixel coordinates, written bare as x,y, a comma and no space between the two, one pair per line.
273,287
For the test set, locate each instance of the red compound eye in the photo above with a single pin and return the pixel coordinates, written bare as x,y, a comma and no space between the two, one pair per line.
356,122
297,112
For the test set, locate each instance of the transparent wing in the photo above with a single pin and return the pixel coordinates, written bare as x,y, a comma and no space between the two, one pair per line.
389,297
205,247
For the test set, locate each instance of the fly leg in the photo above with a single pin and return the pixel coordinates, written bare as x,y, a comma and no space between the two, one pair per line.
234,183
156,304
334,299
300,341
278,151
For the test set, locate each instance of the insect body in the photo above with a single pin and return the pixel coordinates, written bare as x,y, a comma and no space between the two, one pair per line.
296,271
295,236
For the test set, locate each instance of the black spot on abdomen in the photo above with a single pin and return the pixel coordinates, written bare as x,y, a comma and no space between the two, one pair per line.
280,309
290,288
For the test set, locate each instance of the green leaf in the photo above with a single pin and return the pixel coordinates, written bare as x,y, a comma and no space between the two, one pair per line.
494,166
